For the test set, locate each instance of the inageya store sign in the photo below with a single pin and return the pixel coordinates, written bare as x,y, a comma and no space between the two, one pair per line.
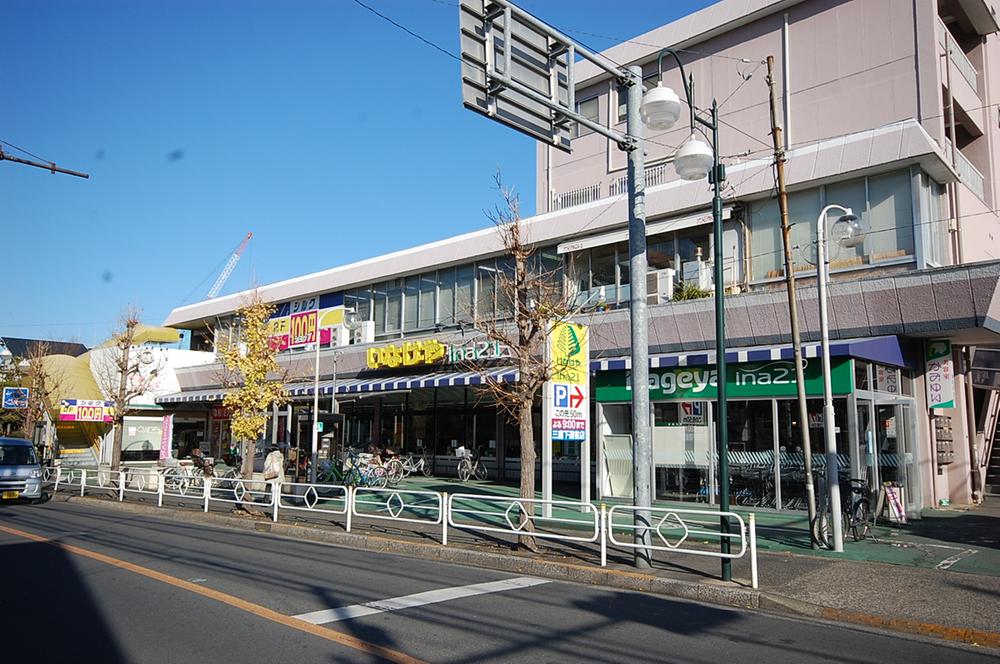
755,379
432,351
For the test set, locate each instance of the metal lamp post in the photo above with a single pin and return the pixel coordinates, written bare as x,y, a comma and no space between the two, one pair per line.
695,160
851,238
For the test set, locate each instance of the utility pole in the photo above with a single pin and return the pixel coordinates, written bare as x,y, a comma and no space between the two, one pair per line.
642,455
793,309
49,166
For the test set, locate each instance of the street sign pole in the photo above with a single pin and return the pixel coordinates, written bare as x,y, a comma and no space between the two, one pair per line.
518,71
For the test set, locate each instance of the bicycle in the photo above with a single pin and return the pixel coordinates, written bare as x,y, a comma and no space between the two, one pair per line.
470,466
855,516
421,465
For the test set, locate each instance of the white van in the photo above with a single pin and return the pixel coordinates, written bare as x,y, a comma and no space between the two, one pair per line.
20,472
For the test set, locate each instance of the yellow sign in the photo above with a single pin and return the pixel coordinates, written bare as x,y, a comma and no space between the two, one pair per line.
409,354
569,348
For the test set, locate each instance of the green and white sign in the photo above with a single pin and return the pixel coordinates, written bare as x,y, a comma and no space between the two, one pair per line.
940,374
743,381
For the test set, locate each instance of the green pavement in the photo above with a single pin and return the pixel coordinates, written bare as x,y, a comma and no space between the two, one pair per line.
955,539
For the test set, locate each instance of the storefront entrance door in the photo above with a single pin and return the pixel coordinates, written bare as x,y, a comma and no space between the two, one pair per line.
885,430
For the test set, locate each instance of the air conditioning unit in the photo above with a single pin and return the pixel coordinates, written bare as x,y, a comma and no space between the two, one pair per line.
697,272
364,333
660,286
340,336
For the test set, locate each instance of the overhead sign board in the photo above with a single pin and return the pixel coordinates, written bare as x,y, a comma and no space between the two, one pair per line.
86,410
508,85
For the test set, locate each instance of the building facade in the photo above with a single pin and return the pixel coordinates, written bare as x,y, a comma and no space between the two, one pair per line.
886,107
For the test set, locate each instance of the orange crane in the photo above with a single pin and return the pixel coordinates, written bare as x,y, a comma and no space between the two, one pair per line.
228,269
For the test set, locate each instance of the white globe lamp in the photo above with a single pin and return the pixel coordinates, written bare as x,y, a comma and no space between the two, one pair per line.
660,108
693,159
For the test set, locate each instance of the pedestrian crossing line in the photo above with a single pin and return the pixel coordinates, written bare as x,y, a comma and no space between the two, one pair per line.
347,640
419,599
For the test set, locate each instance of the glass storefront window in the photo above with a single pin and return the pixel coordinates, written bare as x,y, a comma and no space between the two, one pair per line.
751,453
394,305
861,381
790,447
379,296
411,303
464,310
486,275
602,273
428,310
446,300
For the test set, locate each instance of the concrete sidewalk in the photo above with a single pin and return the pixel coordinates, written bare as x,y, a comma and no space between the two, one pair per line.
905,582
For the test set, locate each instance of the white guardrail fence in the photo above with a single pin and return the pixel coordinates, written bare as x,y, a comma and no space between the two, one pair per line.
675,530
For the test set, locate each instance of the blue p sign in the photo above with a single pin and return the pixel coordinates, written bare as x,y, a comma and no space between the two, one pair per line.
560,394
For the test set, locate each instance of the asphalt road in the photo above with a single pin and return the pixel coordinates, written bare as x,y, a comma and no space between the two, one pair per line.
87,584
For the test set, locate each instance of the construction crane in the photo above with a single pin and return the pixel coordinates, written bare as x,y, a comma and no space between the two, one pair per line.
230,266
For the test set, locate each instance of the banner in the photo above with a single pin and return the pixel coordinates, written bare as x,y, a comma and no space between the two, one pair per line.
940,374
85,410
569,388
166,436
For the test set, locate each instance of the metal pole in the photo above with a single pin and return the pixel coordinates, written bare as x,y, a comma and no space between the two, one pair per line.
832,478
641,452
315,427
721,416
793,308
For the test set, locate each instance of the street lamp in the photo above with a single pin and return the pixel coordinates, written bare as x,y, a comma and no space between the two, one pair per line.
851,233
696,160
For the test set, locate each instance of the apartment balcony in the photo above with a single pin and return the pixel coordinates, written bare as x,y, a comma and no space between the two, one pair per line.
967,172
961,79
575,197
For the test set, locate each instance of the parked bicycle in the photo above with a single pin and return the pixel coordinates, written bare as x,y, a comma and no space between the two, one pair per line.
469,465
421,465
855,514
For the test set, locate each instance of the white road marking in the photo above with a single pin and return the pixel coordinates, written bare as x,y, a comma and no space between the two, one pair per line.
948,562
419,599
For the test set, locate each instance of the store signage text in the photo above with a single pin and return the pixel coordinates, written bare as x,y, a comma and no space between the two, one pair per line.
567,407
940,374
432,351
86,410
748,380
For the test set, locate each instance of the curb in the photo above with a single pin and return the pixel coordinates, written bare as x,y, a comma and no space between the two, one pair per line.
708,591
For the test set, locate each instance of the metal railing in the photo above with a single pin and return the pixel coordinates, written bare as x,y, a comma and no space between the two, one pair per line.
236,491
315,498
675,530
958,58
467,511
655,174
576,197
423,507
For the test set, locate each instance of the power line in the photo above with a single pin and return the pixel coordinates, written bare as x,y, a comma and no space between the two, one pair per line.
408,31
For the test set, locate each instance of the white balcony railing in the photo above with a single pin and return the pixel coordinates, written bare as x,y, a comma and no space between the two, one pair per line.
656,174
967,172
576,197
962,63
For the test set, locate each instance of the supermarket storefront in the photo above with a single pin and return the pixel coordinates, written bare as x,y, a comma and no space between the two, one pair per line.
875,427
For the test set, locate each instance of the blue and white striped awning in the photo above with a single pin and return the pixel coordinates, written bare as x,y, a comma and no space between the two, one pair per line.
364,385
885,350
392,383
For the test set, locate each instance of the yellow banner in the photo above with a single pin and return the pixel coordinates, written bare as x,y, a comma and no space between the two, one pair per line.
569,350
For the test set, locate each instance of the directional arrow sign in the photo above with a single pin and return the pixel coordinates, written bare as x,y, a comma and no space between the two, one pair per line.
576,397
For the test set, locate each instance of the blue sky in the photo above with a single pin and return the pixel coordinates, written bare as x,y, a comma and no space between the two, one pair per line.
327,132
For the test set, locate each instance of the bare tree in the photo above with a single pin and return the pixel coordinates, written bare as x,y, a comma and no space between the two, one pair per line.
123,372
531,301
251,374
43,382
